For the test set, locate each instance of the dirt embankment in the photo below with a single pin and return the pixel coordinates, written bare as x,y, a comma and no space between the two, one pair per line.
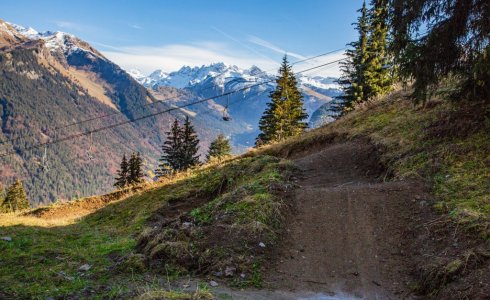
353,233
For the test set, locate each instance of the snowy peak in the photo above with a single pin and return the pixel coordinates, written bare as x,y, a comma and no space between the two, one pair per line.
9,35
220,75
57,41
186,76
324,83
136,74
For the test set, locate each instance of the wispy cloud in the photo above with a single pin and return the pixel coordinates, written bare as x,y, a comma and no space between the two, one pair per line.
70,25
135,26
173,57
260,42
106,46
242,44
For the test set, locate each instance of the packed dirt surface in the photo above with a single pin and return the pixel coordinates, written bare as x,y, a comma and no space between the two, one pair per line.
347,229
352,235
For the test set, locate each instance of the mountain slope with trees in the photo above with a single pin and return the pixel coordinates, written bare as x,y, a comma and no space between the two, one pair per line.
75,83
390,200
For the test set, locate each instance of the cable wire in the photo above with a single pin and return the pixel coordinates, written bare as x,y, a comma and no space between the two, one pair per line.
123,112
74,136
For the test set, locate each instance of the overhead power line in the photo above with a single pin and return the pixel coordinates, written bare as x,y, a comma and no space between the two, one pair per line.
133,108
78,135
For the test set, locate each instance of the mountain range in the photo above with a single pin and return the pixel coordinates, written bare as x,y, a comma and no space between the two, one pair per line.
250,87
54,85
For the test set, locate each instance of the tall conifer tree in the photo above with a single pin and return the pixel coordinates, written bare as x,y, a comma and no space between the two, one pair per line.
122,173
2,197
171,159
135,169
377,75
190,145
284,116
433,39
353,69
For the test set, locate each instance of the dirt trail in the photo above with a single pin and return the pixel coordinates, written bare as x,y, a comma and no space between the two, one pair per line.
346,233
352,235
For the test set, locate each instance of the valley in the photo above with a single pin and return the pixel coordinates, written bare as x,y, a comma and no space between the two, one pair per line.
101,94
190,150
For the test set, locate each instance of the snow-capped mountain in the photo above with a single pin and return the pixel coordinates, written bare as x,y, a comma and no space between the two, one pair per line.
248,103
59,43
188,77
222,74
245,106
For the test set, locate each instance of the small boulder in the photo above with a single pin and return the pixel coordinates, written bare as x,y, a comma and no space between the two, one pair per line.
6,238
230,271
213,283
261,245
84,267
186,225
218,274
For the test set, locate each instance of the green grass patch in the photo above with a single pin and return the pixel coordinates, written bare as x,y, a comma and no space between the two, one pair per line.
226,232
43,259
445,144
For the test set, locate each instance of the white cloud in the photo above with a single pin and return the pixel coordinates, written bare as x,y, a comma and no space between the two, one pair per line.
70,25
172,57
260,42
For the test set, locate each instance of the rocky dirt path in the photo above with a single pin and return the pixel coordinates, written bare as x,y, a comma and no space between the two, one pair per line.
352,235
346,236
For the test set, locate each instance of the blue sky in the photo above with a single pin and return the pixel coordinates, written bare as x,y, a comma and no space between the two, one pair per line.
149,35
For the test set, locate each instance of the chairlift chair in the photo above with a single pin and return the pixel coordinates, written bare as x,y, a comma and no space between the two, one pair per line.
226,115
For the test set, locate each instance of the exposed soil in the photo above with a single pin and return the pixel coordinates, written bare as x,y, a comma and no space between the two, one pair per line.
353,235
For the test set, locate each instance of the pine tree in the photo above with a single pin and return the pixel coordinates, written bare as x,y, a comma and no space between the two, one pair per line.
171,159
190,146
16,198
377,71
135,169
284,116
354,67
219,148
433,39
122,173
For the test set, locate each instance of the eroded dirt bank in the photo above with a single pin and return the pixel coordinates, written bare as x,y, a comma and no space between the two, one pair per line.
352,234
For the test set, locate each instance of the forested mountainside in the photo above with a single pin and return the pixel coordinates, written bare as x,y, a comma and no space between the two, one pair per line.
73,82
51,81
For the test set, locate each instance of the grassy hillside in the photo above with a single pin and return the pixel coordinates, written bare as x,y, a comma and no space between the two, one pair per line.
203,221
72,87
445,144
49,246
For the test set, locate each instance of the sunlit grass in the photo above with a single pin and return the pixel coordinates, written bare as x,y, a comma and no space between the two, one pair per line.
457,168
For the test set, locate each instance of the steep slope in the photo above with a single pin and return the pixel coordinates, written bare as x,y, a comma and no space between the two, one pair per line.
109,229
338,228
9,36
